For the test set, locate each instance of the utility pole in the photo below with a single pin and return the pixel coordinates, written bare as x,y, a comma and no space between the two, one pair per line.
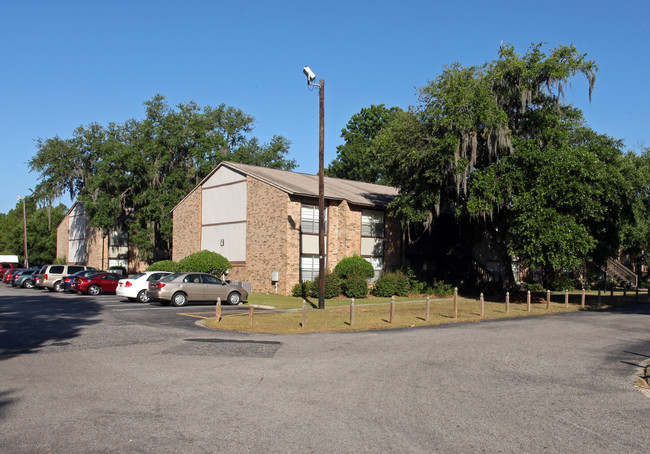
321,184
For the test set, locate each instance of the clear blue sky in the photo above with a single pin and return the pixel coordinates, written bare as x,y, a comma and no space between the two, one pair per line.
69,63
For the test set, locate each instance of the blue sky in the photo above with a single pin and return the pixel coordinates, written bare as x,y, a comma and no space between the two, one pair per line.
71,63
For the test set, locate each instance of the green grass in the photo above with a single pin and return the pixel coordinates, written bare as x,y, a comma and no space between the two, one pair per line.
374,313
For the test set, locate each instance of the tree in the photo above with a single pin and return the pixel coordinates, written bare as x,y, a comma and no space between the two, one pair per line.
41,238
131,175
357,158
498,143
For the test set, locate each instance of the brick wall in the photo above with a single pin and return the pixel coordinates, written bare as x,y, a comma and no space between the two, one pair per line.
268,229
186,235
62,237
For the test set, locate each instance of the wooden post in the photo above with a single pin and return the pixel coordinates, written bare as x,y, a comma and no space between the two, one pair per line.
426,315
624,295
304,313
456,302
218,310
636,295
482,305
352,312
392,308
598,297
566,299
584,298
507,302
548,299
251,315
528,301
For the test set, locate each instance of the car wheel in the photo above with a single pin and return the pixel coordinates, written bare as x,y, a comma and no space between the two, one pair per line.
58,286
234,298
94,290
179,299
28,283
143,297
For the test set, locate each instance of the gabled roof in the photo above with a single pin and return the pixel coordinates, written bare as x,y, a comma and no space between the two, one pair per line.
306,185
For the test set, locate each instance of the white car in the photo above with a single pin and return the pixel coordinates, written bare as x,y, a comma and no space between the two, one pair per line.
135,287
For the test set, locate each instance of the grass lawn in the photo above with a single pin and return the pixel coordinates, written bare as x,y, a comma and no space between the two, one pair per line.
286,317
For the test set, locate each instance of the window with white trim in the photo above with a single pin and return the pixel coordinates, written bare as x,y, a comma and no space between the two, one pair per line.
309,219
372,239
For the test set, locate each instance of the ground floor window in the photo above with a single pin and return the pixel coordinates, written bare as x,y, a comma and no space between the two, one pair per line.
308,268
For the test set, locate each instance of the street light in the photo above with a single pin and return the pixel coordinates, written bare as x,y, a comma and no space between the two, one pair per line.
321,184
24,230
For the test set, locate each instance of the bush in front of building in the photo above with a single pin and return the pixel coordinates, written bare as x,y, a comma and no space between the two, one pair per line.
355,287
302,289
392,283
205,262
164,265
354,266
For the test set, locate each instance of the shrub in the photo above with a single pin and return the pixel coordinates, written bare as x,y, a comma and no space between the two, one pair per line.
205,262
302,289
60,261
164,265
563,283
333,284
440,288
354,266
535,287
117,269
392,283
355,287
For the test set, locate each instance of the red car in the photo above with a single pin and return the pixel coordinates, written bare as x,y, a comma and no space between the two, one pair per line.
96,283
7,276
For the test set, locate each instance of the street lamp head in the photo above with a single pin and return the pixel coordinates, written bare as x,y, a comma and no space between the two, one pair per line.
309,73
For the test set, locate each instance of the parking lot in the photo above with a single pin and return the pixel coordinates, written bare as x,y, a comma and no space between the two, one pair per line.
96,374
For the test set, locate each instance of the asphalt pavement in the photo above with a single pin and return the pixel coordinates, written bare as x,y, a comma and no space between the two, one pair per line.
97,374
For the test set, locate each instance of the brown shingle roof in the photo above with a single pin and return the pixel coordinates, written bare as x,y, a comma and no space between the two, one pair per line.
302,184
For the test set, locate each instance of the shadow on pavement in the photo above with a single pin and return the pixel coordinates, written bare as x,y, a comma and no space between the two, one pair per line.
28,322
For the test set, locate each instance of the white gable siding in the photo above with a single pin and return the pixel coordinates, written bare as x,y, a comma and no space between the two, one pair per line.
77,235
223,214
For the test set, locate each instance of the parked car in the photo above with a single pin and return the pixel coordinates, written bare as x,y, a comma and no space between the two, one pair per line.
66,281
4,266
6,278
95,284
135,287
24,278
181,288
50,275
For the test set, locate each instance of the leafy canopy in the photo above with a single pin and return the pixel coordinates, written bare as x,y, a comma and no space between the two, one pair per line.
131,175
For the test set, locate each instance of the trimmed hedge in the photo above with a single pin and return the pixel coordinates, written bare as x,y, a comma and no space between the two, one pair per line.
355,287
164,265
205,262
354,266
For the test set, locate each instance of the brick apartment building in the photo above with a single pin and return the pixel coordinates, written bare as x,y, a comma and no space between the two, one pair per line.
265,221
82,244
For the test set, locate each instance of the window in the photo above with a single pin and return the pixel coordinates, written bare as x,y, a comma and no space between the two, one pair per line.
309,219
372,223
372,239
308,268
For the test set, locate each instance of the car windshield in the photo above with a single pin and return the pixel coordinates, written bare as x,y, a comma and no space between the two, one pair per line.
171,277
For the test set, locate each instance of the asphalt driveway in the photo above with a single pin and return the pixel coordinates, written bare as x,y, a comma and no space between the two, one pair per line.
81,376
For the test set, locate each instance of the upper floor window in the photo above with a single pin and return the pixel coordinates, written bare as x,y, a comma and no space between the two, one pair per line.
372,223
309,219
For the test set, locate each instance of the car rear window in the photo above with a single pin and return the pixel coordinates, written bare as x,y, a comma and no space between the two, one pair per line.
171,277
